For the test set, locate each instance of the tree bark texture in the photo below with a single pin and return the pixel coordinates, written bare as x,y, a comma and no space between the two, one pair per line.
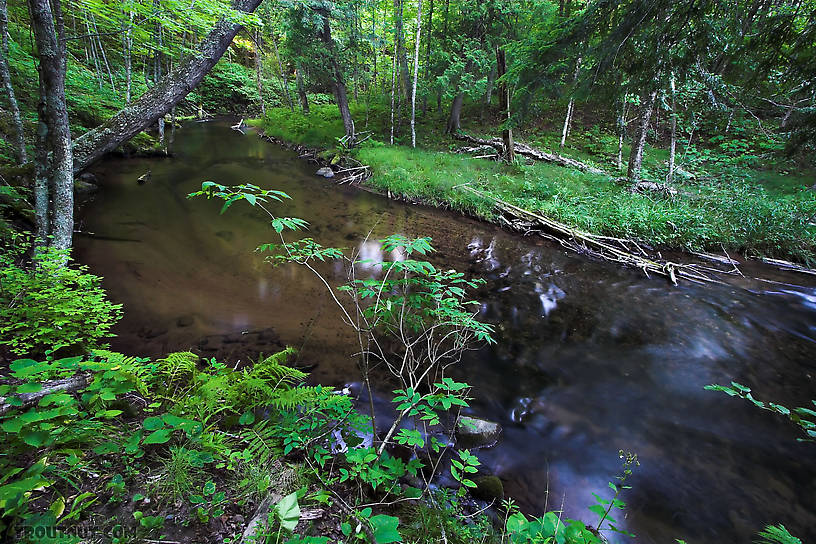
158,100
454,122
301,89
47,26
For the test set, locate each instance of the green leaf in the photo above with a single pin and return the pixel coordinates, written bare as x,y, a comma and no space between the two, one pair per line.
288,511
385,529
29,388
157,437
107,447
153,423
247,418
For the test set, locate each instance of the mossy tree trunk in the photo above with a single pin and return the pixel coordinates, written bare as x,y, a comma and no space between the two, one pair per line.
56,204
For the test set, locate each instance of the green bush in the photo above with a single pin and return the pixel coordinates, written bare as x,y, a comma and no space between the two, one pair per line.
47,304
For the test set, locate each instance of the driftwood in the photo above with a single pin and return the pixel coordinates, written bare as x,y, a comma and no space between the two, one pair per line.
66,385
789,266
529,152
626,252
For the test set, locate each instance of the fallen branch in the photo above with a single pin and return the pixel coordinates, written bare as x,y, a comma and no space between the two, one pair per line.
603,247
529,152
789,266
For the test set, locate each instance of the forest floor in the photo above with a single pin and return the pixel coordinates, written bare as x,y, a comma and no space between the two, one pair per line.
728,195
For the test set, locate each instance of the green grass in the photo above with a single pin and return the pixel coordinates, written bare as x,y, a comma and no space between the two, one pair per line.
728,203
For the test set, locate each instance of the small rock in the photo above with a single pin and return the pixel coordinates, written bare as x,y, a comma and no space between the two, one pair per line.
88,177
144,177
488,489
326,172
82,187
474,432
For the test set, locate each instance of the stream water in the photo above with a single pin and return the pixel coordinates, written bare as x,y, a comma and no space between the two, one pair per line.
591,358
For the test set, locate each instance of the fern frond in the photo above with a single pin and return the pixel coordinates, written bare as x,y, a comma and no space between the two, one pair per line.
139,370
261,442
776,534
177,366
274,368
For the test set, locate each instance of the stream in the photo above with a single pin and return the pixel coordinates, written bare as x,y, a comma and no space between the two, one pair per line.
590,358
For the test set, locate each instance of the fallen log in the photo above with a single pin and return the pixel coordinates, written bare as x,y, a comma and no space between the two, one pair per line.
66,385
530,152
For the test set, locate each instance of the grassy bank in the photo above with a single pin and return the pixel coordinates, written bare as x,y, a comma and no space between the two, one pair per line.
723,200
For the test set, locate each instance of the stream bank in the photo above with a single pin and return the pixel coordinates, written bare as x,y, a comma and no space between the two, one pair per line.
591,358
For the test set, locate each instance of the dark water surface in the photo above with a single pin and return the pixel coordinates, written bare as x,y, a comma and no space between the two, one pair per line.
591,358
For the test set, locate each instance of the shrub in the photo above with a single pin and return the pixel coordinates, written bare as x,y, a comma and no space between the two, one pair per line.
48,304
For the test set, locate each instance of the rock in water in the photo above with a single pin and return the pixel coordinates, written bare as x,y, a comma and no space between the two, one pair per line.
144,177
82,187
474,432
326,172
489,489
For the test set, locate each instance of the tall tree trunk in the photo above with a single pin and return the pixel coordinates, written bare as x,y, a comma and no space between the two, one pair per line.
258,78
621,130
504,92
416,73
673,145
339,84
18,138
157,101
428,39
639,139
394,80
285,79
491,81
454,123
401,55
571,106
301,89
127,46
49,35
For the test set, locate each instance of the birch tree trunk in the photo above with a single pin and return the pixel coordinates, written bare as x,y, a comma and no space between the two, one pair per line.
159,99
639,139
18,138
673,145
571,106
416,73
621,131
55,141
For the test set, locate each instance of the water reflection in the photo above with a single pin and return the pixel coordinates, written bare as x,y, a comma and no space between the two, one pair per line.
590,358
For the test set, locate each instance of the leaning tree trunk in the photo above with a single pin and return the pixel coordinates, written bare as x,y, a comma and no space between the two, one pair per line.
157,101
639,139
416,74
339,84
49,35
18,139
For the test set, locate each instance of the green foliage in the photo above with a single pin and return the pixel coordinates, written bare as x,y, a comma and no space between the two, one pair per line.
46,304
776,534
804,418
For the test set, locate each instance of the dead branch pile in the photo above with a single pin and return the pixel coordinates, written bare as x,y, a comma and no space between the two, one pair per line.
346,169
626,252
529,152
